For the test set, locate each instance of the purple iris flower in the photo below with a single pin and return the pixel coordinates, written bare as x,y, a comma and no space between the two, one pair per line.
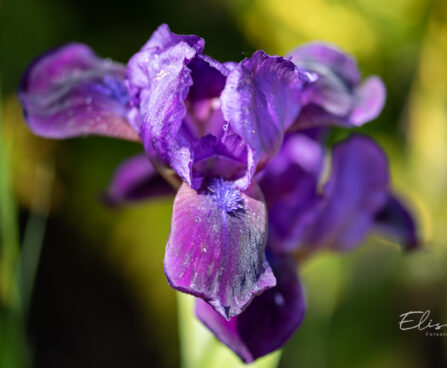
354,202
228,137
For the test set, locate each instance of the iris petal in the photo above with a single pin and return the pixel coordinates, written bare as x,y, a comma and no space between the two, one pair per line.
136,180
268,322
315,55
356,191
216,246
71,92
289,184
397,221
260,100
162,106
370,101
337,97
139,67
177,89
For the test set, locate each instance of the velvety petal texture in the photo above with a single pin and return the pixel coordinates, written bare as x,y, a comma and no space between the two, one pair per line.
70,92
337,97
140,66
268,322
159,80
290,186
356,191
395,220
261,100
216,246
136,180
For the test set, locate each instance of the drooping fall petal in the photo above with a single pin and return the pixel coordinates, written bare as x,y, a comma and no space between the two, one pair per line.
356,191
395,220
268,322
136,180
69,92
216,248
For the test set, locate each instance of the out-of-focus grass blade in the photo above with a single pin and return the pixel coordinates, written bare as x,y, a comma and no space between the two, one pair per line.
13,350
34,234
8,224
200,349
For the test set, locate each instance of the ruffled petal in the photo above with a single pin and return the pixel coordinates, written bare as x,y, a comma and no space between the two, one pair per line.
336,97
216,246
268,322
159,80
136,180
289,183
396,221
356,191
260,100
139,71
162,39
71,92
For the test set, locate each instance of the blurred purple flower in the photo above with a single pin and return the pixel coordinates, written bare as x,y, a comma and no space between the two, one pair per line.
354,201
211,129
338,97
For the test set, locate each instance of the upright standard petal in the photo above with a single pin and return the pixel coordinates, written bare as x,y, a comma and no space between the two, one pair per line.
268,322
139,71
161,103
290,185
216,246
356,191
337,97
397,221
260,101
136,180
177,90
70,92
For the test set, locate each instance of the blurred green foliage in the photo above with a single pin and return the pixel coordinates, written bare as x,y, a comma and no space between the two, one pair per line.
101,298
